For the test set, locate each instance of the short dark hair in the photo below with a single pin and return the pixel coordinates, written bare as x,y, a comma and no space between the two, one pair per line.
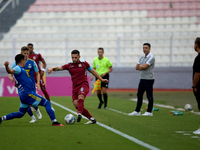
75,52
29,44
197,41
147,44
19,58
24,48
101,48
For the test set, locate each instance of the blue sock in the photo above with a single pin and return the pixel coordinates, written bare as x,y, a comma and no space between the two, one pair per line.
47,105
29,111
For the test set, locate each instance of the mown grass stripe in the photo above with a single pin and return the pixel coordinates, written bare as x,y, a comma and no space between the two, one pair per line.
111,129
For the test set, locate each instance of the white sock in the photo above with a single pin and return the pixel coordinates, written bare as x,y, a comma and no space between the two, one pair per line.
3,118
91,118
33,117
54,120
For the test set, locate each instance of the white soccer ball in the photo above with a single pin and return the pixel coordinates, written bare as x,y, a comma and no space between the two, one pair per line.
188,107
69,119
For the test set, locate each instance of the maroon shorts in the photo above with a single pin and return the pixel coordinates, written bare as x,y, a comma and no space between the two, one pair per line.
82,89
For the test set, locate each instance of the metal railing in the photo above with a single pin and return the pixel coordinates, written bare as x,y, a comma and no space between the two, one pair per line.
14,3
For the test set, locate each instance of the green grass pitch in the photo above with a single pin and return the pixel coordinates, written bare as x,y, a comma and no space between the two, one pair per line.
158,131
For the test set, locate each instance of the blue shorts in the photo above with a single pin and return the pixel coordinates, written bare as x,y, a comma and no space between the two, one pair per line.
30,99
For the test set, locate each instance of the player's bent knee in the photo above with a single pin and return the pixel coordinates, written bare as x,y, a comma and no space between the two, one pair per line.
81,96
75,102
19,114
44,102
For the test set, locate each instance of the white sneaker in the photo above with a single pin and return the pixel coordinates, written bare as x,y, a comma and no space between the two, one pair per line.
39,115
147,114
33,121
91,121
135,113
197,131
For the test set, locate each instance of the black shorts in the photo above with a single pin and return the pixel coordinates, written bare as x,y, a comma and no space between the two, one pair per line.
105,84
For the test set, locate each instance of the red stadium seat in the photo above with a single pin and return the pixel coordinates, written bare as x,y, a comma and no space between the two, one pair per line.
168,13
176,13
192,5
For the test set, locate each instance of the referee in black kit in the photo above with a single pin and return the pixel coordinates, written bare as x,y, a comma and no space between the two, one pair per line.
196,76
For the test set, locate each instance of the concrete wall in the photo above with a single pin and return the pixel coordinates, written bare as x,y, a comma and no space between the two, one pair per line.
126,78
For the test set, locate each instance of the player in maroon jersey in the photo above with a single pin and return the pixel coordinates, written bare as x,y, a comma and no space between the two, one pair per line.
37,57
77,70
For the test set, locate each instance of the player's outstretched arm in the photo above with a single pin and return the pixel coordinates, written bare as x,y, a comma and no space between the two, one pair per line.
11,78
38,80
54,69
43,67
92,75
98,76
9,71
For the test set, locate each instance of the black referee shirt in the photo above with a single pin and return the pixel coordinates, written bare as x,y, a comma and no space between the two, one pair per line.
196,68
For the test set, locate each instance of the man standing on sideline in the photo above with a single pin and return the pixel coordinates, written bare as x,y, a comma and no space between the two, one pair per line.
103,66
196,76
37,57
146,67
78,71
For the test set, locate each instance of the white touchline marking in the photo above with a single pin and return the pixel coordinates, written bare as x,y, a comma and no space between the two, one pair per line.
186,134
111,129
120,112
166,106
183,131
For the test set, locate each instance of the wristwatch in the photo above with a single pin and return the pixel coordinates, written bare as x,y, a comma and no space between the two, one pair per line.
193,87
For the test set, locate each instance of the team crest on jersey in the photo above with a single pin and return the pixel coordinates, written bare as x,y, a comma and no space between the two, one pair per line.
81,90
80,65
29,66
34,57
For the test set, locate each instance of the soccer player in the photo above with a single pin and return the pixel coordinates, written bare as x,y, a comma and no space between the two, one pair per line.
31,68
146,67
27,92
77,70
196,76
103,66
37,57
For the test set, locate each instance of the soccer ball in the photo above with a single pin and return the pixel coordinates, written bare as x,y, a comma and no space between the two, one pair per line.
188,107
69,119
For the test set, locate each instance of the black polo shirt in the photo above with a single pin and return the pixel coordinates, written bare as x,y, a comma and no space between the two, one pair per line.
196,67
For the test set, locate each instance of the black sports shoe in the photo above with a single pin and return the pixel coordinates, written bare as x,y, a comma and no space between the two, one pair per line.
57,124
79,117
100,104
0,120
91,121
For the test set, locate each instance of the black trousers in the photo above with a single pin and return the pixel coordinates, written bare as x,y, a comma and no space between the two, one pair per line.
145,85
197,95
